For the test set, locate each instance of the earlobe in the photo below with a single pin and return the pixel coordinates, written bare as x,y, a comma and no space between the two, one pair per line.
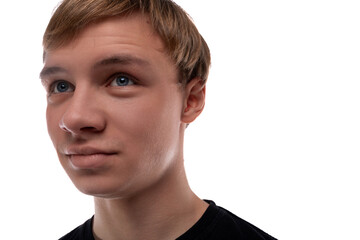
194,101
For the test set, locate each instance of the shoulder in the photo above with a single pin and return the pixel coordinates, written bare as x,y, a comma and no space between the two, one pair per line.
219,223
230,223
82,232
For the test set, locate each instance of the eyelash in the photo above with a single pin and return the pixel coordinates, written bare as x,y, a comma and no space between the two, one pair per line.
116,75
52,86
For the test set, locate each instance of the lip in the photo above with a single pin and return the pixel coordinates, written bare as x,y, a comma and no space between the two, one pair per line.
88,157
86,150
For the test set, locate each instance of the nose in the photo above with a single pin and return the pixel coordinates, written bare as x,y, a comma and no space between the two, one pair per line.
83,114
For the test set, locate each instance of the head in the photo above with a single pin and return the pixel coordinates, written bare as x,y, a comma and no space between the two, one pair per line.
124,79
182,41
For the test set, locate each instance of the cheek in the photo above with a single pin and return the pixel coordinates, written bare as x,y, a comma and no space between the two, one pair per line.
53,116
52,123
150,124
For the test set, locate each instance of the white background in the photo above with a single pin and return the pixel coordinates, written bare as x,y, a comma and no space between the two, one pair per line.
278,141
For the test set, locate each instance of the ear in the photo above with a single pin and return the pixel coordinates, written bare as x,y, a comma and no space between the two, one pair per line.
194,100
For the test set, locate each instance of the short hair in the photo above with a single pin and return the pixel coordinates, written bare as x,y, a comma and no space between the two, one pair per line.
182,40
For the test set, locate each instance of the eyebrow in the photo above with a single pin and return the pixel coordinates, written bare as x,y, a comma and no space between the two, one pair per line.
122,60
47,71
113,60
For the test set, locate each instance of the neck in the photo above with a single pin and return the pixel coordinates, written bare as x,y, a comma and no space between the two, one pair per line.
164,211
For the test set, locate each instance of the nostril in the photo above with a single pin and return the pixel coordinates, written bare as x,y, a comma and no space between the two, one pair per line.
85,129
64,128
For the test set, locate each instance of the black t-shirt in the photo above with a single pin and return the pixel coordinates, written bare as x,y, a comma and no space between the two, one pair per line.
216,224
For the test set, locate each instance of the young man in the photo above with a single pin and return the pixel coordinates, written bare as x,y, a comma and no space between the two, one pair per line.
124,79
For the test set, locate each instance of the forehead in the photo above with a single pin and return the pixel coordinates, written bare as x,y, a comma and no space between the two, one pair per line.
132,34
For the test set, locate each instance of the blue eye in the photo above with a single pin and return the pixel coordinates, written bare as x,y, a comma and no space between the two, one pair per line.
122,80
62,86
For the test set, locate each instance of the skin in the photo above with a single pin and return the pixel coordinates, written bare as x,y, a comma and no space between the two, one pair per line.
116,115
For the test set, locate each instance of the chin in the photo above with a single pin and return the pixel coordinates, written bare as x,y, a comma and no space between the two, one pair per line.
103,187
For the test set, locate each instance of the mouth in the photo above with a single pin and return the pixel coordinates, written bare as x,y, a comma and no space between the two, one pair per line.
88,158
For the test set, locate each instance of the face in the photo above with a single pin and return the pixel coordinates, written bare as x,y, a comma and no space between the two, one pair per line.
114,107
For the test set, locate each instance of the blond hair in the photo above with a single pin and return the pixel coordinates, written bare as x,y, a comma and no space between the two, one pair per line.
183,42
